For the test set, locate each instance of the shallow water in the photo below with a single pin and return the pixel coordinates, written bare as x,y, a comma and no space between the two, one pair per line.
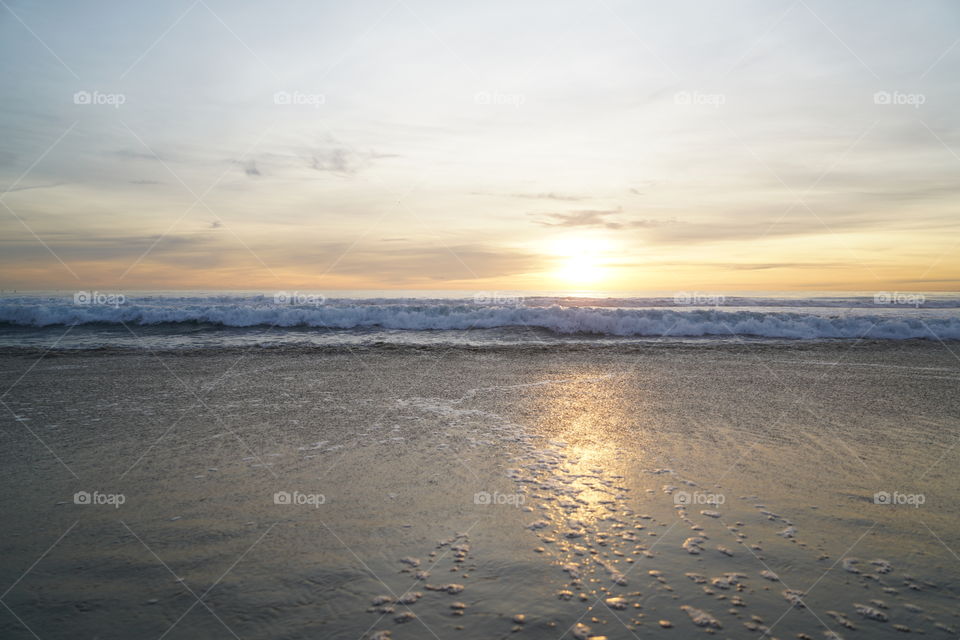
566,486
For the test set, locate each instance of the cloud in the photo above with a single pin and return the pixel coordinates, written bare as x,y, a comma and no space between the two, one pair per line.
35,186
424,264
763,266
549,196
688,233
337,160
196,250
344,161
132,154
597,218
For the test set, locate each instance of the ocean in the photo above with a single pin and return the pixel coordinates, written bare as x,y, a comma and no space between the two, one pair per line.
98,319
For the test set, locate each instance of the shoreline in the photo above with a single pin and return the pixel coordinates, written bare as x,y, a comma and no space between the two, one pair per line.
733,344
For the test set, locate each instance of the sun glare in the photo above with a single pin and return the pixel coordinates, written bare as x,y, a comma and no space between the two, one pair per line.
580,259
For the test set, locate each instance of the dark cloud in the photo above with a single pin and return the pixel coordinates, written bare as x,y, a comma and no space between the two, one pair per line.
344,161
337,160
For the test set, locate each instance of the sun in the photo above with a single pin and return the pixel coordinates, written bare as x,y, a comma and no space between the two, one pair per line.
580,260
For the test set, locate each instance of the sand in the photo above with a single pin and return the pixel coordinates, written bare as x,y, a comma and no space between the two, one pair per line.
652,491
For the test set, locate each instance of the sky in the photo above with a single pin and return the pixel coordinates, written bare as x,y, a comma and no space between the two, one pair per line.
410,144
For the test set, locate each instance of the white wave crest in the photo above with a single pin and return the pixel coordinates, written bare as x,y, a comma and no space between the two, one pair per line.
447,315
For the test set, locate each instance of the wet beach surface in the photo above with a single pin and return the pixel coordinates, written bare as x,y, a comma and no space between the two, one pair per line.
744,491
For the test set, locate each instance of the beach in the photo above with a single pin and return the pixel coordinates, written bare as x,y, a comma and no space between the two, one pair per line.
413,320
642,490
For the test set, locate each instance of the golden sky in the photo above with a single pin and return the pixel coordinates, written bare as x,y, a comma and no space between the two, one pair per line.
612,146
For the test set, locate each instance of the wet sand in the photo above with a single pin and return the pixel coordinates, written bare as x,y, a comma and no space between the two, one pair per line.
649,491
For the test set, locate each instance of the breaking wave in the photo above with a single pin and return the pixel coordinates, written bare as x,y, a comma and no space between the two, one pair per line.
437,315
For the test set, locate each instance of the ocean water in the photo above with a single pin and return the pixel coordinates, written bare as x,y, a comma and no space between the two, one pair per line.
96,319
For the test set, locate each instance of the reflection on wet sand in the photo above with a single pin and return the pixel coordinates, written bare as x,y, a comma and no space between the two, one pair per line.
639,548
555,494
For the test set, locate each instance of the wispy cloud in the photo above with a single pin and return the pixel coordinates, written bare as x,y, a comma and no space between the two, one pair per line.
596,218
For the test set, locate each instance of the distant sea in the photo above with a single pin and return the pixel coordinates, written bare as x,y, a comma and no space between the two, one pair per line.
203,319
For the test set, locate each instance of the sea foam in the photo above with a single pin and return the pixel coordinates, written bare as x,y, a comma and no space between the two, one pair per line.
799,322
